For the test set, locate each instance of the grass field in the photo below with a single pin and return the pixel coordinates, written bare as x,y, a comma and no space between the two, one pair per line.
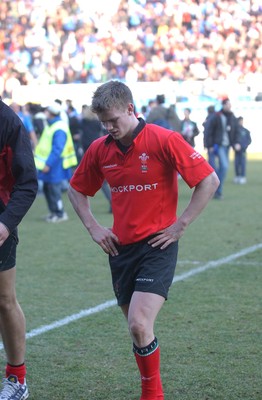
209,330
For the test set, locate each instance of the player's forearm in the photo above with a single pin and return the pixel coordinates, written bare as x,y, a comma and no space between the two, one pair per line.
81,206
203,192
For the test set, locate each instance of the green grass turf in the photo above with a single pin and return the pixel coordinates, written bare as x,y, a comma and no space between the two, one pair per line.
209,330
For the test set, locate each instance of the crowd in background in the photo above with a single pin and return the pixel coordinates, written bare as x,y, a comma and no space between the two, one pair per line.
141,40
61,120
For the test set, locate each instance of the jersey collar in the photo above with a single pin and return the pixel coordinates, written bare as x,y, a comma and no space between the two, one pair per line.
137,130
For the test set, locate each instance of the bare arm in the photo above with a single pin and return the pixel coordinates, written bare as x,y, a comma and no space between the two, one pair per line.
203,192
101,235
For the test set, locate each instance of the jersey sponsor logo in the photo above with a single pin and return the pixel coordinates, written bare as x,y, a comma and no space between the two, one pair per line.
144,280
143,158
195,155
110,166
132,188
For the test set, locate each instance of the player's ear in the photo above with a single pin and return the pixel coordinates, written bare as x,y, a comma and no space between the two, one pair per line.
130,108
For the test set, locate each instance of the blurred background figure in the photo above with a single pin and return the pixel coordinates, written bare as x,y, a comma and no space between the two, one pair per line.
240,154
63,111
143,112
38,115
160,115
189,129
92,129
221,132
210,111
54,159
210,153
75,129
26,118
173,119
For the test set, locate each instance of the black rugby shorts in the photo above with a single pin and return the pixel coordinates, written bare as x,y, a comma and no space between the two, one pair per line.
143,268
8,253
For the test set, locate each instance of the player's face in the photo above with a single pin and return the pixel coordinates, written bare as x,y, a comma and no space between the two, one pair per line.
120,123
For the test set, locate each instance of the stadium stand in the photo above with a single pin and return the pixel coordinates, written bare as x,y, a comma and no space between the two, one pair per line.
59,42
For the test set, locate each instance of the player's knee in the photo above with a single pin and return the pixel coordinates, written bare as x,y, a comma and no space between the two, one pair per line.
137,328
7,303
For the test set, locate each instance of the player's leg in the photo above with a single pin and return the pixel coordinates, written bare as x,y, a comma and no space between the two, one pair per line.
143,310
142,313
141,277
12,320
12,326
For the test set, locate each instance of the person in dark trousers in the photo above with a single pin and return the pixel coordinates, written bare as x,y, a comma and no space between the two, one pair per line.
92,129
140,162
189,129
221,132
54,158
18,189
241,154
75,129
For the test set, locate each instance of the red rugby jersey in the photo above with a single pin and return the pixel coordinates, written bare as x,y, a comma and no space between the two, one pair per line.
18,179
143,180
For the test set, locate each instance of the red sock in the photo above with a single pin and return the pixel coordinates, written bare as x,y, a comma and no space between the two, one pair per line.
19,371
149,367
160,393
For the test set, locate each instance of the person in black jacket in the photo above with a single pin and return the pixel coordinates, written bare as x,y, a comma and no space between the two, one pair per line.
240,155
221,131
92,129
189,128
75,129
18,189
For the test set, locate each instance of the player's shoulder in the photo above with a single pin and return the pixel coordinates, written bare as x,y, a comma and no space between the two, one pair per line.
158,130
160,133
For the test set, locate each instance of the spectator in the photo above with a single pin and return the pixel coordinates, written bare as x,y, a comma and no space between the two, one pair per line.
159,115
142,41
240,155
221,132
27,121
189,129
63,111
92,129
210,112
143,112
75,129
38,118
173,119
54,157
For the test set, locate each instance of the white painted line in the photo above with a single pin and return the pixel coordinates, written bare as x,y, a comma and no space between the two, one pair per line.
217,263
70,318
184,262
110,303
